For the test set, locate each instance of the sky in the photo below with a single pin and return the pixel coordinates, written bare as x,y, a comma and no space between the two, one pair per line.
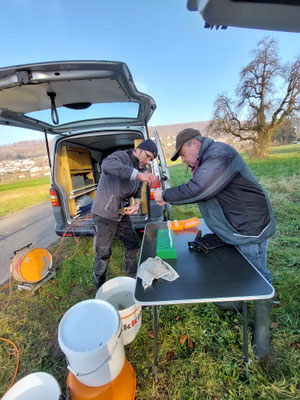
170,54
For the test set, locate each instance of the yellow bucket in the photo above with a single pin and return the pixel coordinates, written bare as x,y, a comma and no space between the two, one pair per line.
31,265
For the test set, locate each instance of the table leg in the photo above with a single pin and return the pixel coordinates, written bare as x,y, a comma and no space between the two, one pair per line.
245,336
154,308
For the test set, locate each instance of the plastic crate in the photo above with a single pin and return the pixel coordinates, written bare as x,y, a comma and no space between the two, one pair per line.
165,244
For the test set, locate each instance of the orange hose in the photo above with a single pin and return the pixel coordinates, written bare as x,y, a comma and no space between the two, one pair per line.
17,366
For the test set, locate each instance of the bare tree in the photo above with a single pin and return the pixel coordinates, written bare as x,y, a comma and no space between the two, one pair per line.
267,95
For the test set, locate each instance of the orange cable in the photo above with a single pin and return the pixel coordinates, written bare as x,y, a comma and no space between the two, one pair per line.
8,284
17,366
64,235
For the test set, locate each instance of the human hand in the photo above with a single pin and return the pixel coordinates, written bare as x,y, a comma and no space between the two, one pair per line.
158,197
132,209
152,179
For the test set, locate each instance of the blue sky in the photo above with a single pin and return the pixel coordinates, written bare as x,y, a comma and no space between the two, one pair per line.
169,53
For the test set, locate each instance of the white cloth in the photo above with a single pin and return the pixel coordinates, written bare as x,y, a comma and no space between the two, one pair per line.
155,268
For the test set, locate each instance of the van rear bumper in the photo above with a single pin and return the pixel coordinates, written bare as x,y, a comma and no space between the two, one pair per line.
80,228
86,228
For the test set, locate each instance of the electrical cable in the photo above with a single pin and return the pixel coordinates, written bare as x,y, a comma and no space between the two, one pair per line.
17,366
64,235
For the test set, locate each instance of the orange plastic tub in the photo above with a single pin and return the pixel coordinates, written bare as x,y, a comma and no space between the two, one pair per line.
121,388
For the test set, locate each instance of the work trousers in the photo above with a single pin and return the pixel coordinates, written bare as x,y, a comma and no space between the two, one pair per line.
257,254
105,231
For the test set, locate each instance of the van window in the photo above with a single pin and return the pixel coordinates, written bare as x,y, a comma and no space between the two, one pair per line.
95,111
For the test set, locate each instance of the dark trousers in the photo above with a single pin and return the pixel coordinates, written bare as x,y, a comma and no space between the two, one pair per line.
105,231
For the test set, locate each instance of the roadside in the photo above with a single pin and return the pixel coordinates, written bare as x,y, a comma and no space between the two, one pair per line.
19,195
33,225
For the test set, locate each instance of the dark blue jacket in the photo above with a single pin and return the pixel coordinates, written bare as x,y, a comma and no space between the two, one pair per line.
231,200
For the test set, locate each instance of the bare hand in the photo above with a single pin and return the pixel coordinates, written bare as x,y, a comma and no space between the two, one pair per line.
158,197
132,209
152,179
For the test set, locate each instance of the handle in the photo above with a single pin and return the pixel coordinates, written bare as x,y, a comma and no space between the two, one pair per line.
16,251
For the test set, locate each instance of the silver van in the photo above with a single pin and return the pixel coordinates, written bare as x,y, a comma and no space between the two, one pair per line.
93,108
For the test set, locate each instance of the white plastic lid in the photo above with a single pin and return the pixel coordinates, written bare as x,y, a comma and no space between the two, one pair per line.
87,326
36,386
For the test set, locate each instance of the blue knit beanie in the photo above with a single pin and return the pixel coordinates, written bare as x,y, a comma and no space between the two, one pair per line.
148,145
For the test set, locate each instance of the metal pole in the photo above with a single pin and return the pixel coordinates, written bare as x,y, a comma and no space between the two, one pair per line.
245,337
154,308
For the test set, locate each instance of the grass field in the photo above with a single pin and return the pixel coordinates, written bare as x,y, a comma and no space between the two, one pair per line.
211,367
19,195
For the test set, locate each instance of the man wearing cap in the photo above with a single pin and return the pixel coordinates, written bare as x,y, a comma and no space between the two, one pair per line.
123,173
233,205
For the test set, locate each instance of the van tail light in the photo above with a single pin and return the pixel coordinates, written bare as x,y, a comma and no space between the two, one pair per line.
152,189
54,198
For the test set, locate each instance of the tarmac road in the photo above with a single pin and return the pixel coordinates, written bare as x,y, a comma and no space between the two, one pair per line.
34,225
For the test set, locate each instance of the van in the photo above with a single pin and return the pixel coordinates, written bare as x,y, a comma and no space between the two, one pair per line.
92,108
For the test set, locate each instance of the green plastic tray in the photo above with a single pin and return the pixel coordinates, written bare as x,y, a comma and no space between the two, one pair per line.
163,248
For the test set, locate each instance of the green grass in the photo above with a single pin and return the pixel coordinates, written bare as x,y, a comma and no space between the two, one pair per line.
213,369
19,195
23,184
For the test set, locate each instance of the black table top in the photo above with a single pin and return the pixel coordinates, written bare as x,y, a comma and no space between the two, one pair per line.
222,274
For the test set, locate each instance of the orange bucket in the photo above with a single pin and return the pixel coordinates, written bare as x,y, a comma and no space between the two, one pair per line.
121,388
31,265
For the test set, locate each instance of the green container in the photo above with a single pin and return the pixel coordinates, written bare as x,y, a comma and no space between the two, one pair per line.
165,248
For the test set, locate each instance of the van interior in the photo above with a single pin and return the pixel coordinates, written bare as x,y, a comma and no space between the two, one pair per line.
78,169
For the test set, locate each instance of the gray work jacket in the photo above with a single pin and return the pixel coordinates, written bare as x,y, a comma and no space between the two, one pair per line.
117,183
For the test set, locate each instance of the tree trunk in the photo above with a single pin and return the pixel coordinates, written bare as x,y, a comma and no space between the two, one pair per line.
262,144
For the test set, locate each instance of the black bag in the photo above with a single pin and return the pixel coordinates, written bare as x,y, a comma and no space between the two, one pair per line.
208,242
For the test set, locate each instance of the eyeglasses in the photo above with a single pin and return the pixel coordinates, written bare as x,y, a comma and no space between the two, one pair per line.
148,155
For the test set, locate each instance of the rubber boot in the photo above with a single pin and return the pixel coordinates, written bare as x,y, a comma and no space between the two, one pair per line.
229,305
99,280
131,266
261,330
131,262
100,268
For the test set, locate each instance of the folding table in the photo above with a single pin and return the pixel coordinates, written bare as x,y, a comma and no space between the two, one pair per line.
222,274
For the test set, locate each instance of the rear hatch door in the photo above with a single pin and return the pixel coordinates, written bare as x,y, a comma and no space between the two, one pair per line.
66,97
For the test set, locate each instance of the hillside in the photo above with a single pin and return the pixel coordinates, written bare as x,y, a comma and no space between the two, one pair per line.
22,150
36,148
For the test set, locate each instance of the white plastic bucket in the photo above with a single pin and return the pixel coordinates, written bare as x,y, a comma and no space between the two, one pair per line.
36,386
119,292
90,336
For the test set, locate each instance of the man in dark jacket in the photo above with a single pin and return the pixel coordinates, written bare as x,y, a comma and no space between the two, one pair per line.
233,205
123,173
